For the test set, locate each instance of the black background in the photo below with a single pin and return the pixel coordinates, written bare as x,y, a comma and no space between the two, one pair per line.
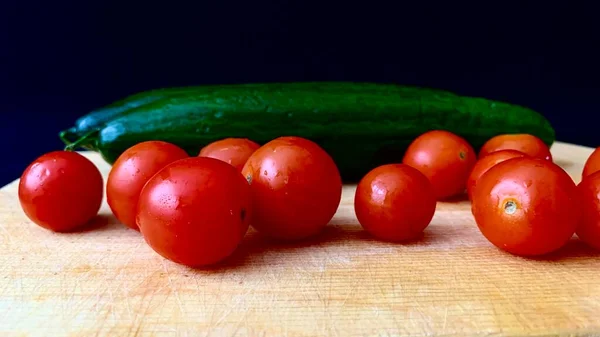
59,59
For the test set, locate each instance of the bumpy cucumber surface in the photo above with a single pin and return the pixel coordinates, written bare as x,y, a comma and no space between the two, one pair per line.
99,117
360,130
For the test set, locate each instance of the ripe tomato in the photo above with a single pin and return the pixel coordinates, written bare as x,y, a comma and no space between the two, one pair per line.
485,163
526,143
195,211
526,206
131,171
394,202
61,191
296,188
589,228
592,164
446,160
234,151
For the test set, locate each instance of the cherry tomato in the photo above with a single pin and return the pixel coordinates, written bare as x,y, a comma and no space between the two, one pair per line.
195,211
446,160
296,188
592,164
61,191
131,171
526,206
589,228
526,143
234,151
394,202
485,163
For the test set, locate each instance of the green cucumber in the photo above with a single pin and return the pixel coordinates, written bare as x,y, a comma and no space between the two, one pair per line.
99,117
359,129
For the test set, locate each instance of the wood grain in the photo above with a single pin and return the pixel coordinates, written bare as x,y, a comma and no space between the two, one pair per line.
105,281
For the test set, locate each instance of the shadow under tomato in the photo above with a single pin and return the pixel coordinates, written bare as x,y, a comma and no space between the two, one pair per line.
99,222
422,239
575,249
255,246
257,250
456,199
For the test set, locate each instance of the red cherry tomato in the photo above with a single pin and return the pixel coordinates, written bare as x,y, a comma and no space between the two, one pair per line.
195,211
234,151
526,143
296,188
589,228
394,202
131,171
61,191
592,164
485,163
446,160
527,206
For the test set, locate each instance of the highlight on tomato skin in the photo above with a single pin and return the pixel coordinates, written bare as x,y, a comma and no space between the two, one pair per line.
445,158
130,172
523,142
234,151
485,163
296,188
195,211
394,202
61,191
589,229
527,206
592,164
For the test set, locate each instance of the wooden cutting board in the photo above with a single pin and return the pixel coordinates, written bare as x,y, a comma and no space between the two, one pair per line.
107,282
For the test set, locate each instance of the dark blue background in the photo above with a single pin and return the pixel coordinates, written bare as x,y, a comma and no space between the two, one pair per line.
59,59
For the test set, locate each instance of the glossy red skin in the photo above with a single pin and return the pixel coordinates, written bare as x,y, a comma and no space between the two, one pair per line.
446,160
548,207
234,151
394,202
130,172
296,188
195,211
484,164
526,143
592,164
61,191
589,228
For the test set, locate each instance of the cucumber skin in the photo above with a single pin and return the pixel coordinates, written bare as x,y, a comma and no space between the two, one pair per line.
360,130
99,117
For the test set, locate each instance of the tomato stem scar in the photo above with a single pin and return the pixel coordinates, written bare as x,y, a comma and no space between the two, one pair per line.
510,207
